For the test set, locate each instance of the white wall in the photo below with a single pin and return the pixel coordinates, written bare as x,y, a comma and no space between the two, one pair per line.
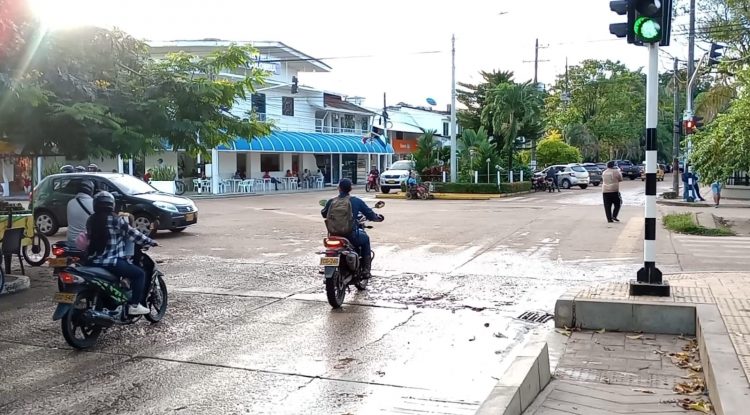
227,164
169,157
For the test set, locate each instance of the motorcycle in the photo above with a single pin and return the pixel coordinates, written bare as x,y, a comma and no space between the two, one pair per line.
342,264
372,183
540,184
63,257
419,191
92,299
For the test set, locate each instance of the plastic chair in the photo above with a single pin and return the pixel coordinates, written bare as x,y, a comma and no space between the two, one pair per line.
319,183
246,185
12,246
293,183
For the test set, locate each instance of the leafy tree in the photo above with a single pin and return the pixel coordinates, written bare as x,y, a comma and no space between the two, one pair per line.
474,149
553,150
426,153
474,97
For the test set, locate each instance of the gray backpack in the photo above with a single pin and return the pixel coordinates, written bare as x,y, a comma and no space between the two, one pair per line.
339,219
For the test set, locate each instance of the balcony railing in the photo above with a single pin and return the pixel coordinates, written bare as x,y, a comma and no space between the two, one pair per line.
739,179
309,125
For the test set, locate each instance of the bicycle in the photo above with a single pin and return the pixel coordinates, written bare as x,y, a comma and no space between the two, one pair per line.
38,251
179,186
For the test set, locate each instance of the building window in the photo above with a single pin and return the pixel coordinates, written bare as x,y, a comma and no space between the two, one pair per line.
348,122
399,135
270,162
258,103
446,129
287,106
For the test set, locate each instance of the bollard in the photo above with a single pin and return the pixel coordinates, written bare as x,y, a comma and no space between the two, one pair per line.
510,176
444,177
498,178
476,176
521,176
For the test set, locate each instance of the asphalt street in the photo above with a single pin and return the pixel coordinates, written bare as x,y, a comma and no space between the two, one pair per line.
248,328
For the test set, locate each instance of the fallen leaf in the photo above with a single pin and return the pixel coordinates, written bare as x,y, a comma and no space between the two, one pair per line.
700,405
602,331
473,338
637,337
644,391
564,332
380,373
499,335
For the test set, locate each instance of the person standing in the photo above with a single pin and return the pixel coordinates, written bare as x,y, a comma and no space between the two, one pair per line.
716,190
611,179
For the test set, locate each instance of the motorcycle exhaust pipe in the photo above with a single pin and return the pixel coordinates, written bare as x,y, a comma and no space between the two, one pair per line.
99,318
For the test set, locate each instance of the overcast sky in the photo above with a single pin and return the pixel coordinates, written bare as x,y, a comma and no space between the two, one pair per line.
394,34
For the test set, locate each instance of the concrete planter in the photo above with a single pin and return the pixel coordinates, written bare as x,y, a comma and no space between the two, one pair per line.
166,187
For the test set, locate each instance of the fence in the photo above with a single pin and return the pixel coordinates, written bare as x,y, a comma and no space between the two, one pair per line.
739,179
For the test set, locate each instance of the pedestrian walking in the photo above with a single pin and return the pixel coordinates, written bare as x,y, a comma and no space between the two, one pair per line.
716,190
611,179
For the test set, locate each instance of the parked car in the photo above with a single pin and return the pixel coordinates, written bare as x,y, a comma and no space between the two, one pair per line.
628,169
569,175
148,205
595,173
602,166
395,175
659,172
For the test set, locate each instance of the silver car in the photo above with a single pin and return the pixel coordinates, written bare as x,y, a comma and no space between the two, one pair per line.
569,175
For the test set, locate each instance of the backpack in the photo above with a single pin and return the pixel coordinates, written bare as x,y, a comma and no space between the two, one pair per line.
339,218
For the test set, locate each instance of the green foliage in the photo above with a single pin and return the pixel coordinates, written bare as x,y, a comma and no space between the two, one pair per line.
474,188
163,174
553,150
685,223
474,97
427,152
51,169
515,187
474,148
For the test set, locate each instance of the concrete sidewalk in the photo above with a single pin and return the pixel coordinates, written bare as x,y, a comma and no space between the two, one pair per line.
632,370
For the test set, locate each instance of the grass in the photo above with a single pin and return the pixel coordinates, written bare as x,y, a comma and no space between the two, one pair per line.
685,223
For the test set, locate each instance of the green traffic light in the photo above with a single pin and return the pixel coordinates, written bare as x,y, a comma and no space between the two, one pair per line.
647,29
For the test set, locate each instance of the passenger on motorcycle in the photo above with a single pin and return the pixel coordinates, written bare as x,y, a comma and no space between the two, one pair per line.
374,172
359,237
79,210
108,234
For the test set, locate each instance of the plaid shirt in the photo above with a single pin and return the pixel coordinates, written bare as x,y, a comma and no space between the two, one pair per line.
119,232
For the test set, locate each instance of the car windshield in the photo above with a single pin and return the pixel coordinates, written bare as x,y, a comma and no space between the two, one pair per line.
401,165
579,169
129,185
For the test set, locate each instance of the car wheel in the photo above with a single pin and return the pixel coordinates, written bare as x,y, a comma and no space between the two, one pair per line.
46,223
143,222
596,183
386,190
566,184
583,186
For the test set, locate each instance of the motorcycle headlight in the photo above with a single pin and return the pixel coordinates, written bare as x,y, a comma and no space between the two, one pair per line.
166,206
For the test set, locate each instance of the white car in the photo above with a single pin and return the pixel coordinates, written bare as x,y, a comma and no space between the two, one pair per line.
569,175
397,173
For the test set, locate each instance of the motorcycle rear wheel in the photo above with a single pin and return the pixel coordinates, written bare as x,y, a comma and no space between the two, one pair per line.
157,300
37,253
335,290
72,322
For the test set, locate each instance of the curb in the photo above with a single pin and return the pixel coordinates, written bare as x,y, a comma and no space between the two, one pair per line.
455,196
671,202
527,376
15,283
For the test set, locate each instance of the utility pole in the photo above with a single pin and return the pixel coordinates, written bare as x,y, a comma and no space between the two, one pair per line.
536,61
454,163
689,107
389,159
676,131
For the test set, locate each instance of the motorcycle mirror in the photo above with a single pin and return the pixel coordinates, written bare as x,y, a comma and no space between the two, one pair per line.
379,205
322,203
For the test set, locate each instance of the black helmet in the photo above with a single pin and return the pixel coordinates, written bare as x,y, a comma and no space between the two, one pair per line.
93,167
86,186
67,169
80,169
104,201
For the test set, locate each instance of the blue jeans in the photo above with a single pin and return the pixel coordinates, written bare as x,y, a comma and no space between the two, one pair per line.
136,276
362,240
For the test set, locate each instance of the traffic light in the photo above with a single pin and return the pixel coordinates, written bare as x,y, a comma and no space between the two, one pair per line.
653,21
697,122
715,54
623,7
689,126
295,85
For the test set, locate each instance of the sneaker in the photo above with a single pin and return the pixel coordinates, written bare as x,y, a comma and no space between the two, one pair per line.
137,310
615,219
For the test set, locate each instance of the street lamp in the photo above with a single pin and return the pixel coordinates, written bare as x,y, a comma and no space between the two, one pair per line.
488,170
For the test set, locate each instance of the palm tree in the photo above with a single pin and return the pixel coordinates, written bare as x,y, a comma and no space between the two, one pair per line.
425,155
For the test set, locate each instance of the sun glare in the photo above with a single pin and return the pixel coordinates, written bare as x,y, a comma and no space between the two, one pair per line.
59,14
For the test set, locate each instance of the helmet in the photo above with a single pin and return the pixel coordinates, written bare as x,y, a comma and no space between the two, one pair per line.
86,186
80,169
104,201
93,167
67,169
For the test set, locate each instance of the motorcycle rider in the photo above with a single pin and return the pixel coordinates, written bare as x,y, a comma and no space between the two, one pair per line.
67,169
108,234
79,210
374,176
358,237
552,178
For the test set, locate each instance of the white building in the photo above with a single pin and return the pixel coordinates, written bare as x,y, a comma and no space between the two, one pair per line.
405,125
313,129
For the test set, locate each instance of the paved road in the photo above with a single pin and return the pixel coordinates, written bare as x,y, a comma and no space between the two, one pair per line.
249,331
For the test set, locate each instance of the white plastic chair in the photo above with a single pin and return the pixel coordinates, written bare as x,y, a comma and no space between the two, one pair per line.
319,183
292,183
246,185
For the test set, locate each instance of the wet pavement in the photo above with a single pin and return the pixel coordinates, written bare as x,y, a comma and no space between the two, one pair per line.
248,328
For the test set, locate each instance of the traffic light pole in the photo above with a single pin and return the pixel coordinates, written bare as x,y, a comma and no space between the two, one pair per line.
649,278
676,136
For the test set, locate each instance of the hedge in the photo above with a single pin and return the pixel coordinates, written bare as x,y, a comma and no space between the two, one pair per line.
515,187
480,188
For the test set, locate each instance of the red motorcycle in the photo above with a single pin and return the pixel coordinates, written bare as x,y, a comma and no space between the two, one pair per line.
372,183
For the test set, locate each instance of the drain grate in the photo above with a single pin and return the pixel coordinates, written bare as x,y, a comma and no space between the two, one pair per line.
536,316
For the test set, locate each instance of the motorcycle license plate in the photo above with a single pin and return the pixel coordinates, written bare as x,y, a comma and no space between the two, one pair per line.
329,261
189,217
57,262
65,298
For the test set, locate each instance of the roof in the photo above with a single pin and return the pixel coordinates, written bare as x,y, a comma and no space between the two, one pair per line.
281,52
296,142
335,101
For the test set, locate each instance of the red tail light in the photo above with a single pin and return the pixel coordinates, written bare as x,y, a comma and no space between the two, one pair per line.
332,243
58,251
67,278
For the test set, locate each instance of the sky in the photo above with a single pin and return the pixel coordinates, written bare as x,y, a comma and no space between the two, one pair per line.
400,47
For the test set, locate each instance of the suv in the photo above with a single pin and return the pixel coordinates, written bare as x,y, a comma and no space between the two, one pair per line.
595,173
628,169
569,175
397,173
148,205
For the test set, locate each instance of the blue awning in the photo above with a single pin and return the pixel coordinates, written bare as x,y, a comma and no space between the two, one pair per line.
294,142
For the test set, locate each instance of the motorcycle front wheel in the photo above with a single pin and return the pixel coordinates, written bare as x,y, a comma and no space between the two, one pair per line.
157,300
79,334
335,290
38,251
368,188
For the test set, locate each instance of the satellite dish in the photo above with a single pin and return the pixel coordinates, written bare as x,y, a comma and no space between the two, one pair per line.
431,101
